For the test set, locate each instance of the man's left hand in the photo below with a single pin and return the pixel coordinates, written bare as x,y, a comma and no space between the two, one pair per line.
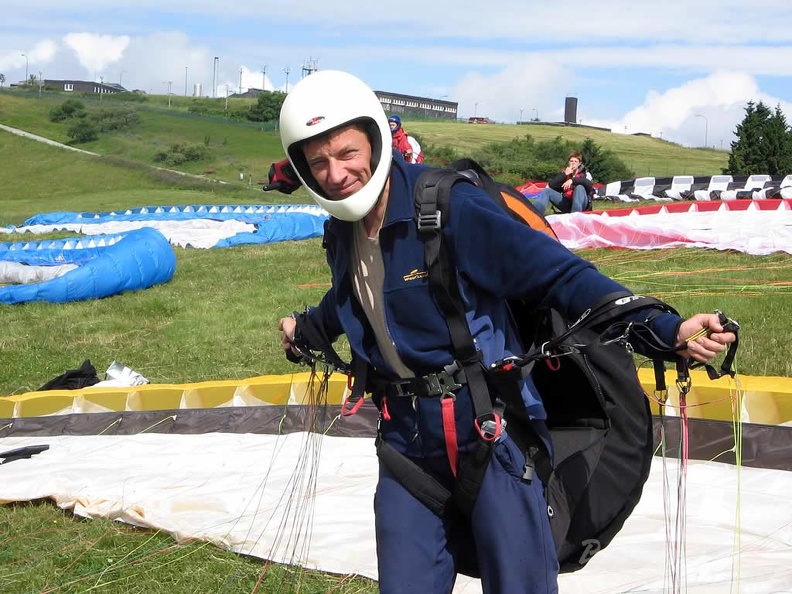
707,346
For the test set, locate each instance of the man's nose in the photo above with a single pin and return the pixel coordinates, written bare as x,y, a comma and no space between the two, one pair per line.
336,171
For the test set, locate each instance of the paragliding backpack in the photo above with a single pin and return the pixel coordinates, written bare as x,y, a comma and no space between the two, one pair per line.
597,412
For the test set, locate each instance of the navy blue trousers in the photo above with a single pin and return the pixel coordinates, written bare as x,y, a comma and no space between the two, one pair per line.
506,541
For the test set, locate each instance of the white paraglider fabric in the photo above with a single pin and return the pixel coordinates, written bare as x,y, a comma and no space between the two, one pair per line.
247,493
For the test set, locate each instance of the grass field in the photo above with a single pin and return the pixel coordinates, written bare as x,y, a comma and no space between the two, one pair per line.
217,320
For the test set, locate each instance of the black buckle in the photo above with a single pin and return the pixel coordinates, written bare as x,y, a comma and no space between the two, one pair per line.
434,384
441,383
403,388
429,222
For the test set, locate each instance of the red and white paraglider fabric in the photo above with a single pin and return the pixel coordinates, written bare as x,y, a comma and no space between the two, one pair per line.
757,227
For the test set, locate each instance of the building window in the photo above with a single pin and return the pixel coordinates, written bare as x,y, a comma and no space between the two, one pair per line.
68,87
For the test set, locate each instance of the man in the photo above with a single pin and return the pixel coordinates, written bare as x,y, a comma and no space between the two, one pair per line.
336,136
570,190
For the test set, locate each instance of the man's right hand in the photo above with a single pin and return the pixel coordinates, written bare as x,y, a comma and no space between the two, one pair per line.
287,326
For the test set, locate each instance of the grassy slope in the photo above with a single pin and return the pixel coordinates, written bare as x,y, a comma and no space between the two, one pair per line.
236,146
243,146
644,155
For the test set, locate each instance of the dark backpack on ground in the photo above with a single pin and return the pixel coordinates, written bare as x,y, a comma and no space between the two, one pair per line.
598,414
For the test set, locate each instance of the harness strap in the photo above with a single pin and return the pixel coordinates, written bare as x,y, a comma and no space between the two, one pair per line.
432,196
418,482
612,307
450,432
426,489
432,192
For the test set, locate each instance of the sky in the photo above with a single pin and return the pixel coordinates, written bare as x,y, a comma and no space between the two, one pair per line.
681,70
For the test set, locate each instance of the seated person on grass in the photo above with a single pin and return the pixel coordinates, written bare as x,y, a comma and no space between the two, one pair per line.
570,190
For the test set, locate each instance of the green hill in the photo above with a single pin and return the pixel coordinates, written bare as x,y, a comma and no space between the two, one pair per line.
247,148
645,155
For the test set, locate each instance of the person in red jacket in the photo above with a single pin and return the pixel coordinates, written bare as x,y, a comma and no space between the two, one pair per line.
399,138
570,190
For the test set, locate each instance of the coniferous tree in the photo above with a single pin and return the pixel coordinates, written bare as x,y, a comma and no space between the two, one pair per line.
779,143
763,145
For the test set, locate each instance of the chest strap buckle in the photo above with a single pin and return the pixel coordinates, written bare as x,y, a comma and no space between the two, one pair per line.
433,384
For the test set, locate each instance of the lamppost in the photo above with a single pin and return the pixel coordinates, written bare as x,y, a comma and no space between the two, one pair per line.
240,81
101,88
185,81
27,61
287,70
475,109
264,77
121,77
536,112
706,125
41,82
226,102
170,82
520,116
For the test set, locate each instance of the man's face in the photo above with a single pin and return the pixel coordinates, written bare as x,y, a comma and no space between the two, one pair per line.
340,162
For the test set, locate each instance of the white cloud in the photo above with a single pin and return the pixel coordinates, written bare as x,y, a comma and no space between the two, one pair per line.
706,109
42,54
96,52
527,84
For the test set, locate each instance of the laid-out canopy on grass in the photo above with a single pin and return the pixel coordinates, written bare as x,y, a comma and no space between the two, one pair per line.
84,268
260,467
197,225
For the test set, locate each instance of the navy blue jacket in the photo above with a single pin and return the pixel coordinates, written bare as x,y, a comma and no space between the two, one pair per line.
496,258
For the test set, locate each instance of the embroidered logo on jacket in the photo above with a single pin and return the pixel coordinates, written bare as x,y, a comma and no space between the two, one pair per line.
415,274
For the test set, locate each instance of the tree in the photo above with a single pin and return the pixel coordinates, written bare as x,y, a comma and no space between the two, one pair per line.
267,108
82,131
69,109
526,158
603,164
763,145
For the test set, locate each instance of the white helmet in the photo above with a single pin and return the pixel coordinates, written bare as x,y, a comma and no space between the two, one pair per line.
325,101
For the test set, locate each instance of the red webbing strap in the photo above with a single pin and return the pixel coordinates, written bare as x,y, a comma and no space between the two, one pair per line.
450,432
